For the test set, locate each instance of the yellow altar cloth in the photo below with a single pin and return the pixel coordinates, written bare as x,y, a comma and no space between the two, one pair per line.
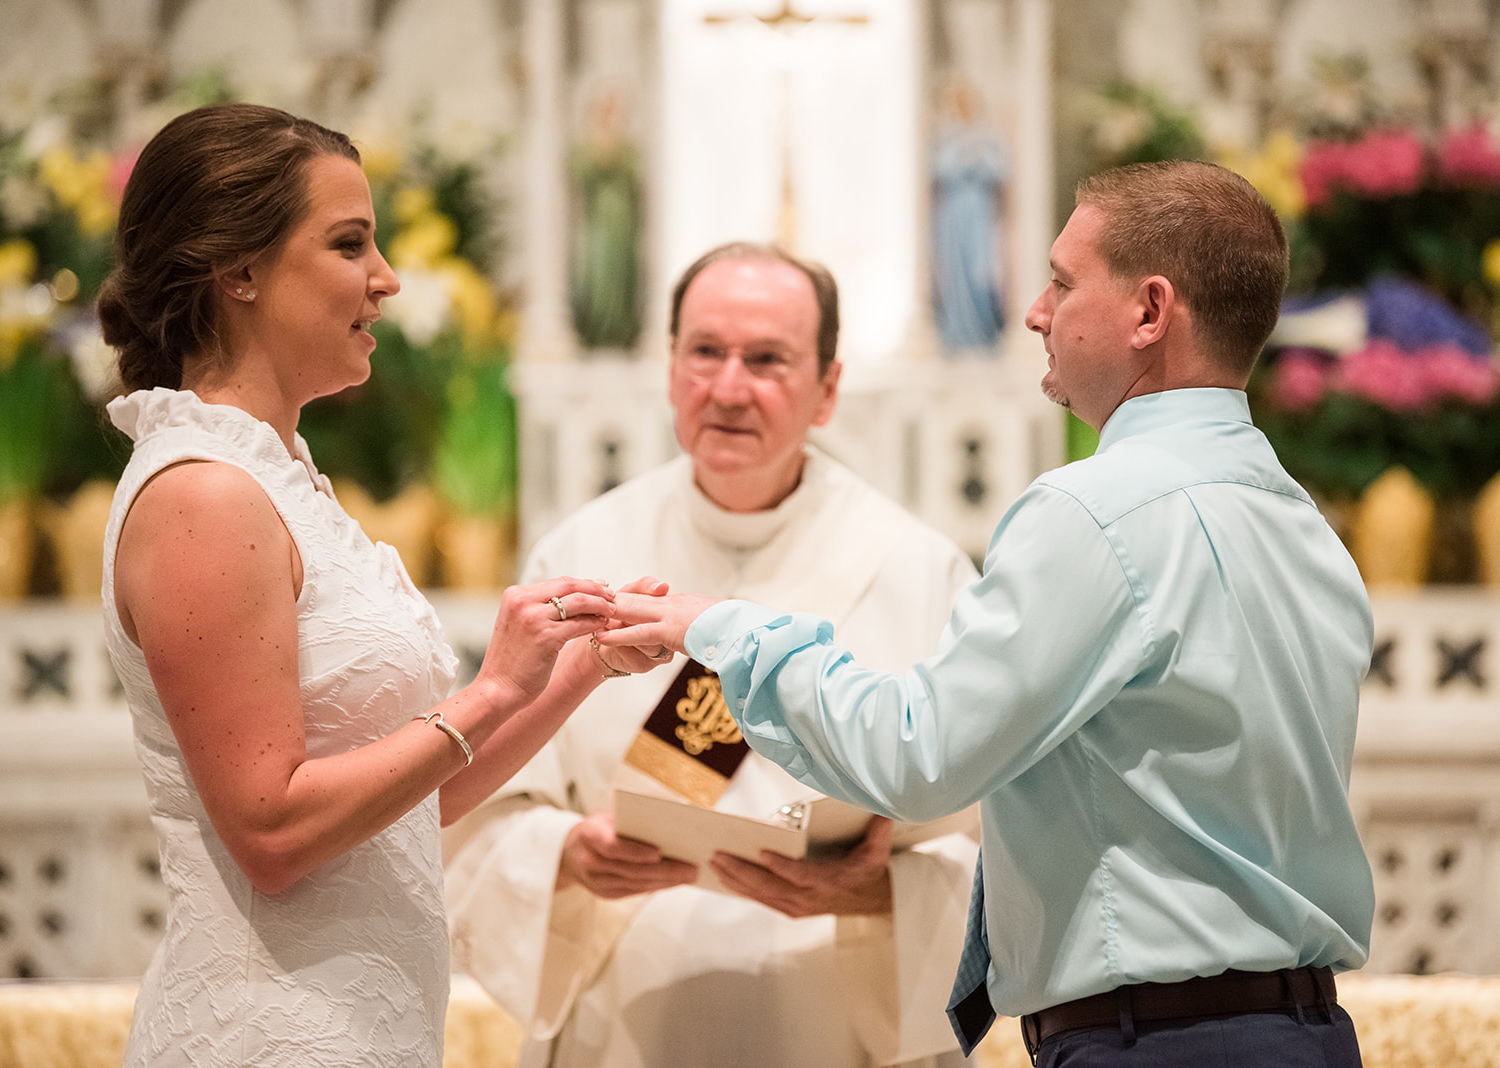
1446,1021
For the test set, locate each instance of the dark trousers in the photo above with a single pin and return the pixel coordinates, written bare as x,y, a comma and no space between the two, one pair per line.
1254,1040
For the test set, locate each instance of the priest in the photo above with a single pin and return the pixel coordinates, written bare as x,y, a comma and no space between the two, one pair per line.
608,952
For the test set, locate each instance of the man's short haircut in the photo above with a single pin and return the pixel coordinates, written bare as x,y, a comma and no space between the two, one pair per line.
825,289
1208,232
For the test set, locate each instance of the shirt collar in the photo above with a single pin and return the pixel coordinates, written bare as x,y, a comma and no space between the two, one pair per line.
1152,411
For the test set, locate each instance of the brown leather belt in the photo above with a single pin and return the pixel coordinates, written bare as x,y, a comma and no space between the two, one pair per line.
1232,993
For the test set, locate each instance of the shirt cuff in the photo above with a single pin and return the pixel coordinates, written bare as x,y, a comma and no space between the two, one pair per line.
717,630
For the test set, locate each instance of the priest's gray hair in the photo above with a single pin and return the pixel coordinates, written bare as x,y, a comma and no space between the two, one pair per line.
825,289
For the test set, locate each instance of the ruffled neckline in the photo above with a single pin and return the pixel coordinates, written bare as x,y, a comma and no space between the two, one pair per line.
149,411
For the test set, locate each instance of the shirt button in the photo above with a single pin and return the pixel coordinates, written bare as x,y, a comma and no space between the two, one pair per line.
711,652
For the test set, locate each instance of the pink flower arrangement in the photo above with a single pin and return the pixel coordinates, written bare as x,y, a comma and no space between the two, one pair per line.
1386,375
1469,157
1453,373
120,168
1404,220
1383,163
1299,380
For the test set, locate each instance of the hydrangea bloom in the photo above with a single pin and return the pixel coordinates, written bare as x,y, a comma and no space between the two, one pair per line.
1469,157
1381,164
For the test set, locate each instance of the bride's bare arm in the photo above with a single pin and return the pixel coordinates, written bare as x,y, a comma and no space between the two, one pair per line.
207,579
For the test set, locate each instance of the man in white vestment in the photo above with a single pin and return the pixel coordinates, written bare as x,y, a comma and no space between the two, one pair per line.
602,948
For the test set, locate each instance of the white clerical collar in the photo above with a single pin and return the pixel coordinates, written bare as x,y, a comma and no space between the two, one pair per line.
749,531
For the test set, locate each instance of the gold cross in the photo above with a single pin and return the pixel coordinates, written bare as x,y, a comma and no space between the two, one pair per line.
787,17
787,21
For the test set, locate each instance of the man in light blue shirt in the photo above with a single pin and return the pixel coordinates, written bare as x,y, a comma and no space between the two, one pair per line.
1151,691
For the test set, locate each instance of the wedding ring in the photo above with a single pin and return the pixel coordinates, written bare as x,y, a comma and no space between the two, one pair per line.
663,656
562,613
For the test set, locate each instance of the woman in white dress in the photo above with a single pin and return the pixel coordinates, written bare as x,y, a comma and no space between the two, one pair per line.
288,684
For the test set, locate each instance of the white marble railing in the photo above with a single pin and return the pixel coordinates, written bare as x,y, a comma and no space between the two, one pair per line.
80,896
1426,786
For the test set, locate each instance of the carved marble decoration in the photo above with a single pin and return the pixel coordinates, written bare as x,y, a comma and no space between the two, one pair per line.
1239,55
1455,52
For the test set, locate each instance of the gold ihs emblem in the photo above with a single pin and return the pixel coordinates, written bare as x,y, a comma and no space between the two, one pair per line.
705,717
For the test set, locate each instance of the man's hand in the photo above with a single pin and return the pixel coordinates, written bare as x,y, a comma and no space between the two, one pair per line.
650,622
631,658
858,884
610,866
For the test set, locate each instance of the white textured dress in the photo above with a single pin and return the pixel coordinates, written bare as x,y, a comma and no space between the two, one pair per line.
350,965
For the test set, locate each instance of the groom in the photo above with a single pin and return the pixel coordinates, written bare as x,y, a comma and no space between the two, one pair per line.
1151,691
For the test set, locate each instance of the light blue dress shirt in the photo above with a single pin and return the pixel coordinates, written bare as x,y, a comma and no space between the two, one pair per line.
1152,692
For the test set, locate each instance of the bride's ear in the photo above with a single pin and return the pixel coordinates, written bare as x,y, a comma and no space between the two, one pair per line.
237,285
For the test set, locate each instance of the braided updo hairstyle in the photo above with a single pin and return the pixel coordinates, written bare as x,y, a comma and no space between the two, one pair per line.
214,189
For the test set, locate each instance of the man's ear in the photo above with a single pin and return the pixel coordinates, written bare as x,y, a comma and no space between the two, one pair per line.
829,384
1156,302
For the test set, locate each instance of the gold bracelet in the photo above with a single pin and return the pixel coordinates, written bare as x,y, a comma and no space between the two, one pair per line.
435,717
609,672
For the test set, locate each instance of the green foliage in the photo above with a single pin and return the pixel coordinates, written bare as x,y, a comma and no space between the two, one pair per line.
474,465
381,433
457,190
1135,123
1082,440
25,388
85,444
458,194
1435,235
54,439
34,214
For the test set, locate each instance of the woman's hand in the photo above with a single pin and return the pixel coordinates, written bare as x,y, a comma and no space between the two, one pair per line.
534,683
532,626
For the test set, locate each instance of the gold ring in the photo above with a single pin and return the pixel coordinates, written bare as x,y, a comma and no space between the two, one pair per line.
562,613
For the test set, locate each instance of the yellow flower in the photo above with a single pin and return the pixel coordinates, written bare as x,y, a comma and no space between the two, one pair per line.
473,300
18,262
81,185
12,335
1283,150
507,322
1274,172
1490,263
381,160
425,241
24,313
411,204
96,216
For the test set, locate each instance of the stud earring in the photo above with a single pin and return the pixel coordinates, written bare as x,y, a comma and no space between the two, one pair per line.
238,291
